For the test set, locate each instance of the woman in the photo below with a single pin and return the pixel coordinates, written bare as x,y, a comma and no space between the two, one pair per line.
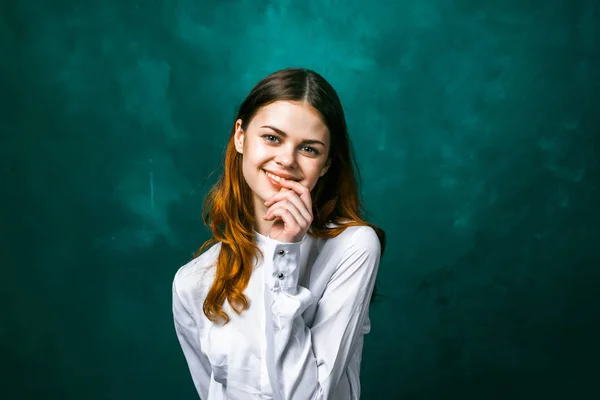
277,307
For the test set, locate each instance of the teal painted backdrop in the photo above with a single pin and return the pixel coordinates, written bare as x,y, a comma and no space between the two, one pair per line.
475,127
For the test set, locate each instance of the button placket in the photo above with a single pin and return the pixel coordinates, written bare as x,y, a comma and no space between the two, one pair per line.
281,253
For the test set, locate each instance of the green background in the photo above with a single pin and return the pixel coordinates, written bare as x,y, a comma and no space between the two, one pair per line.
475,128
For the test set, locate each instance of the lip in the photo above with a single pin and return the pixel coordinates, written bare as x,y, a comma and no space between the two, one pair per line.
282,175
272,182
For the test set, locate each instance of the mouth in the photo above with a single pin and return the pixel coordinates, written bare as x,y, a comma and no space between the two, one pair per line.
276,179
273,179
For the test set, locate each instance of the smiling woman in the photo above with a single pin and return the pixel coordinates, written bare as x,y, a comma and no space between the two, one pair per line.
282,153
278,305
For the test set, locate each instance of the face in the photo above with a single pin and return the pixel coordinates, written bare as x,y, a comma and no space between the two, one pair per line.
288,139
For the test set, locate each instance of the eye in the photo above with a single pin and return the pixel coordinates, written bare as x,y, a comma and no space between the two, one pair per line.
274,139
312,149
267,136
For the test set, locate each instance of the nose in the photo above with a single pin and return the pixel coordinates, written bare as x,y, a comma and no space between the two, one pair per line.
286,157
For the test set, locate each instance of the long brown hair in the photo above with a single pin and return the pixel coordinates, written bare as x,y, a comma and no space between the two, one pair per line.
228,208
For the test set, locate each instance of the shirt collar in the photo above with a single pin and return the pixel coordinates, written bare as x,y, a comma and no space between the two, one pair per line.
263,240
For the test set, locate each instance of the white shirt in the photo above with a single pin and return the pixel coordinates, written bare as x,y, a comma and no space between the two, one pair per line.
302,336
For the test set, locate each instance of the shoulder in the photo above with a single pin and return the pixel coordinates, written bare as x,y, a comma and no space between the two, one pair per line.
362,238
196,276
353,253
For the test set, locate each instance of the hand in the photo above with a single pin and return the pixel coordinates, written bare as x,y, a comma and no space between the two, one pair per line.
293,207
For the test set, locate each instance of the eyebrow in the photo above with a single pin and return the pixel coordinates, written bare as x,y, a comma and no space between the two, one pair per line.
282,133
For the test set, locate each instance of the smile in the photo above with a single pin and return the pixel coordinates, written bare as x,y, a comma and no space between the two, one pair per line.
273,176
273,179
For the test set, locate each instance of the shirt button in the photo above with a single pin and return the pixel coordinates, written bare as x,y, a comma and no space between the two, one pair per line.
281,252
280,276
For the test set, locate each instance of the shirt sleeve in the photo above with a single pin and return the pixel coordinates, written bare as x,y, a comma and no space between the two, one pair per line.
303,363
187,334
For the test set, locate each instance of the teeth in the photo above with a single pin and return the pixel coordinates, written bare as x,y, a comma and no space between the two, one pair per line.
274,177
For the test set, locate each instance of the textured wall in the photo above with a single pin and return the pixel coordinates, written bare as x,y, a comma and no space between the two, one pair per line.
476,130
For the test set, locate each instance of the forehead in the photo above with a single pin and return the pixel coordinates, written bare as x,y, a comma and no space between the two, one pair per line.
294,118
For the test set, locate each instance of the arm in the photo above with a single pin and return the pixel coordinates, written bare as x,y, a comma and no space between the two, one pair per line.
187,334
303,363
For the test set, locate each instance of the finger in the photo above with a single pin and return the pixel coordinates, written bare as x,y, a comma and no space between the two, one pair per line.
277,196
270,212
282,206
294,201
298,210
300,189
292,219
293,198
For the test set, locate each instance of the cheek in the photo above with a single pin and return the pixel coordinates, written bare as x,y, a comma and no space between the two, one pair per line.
252,158
313,178
258,149
248,169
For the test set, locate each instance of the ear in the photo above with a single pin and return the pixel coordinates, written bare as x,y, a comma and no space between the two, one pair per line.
239,137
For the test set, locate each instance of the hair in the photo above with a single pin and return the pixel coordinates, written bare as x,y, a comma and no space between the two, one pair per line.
228,210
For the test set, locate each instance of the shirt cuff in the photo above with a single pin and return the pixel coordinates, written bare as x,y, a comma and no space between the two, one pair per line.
283,270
